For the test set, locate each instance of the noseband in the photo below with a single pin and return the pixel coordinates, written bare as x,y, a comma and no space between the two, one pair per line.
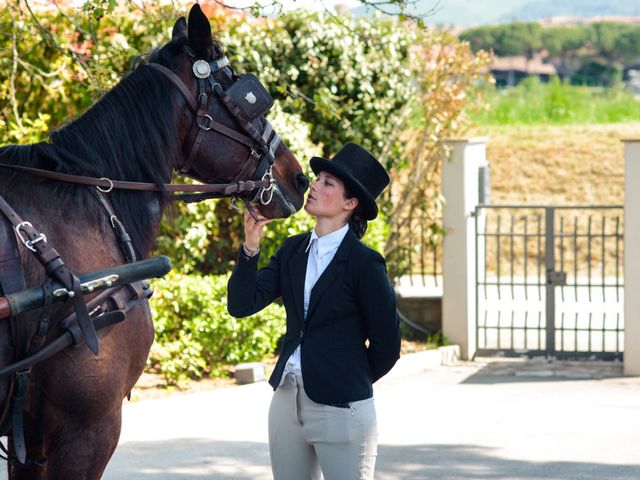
245,109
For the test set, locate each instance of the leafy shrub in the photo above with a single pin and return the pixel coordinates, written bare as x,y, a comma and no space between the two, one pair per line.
195,336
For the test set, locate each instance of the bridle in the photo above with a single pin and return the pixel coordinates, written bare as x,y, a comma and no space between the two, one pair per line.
246,100
244,109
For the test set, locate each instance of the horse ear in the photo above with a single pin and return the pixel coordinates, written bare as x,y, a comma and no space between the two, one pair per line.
200,32
179,29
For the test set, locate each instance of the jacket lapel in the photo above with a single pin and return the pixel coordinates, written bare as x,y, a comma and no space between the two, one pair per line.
297,271
332,272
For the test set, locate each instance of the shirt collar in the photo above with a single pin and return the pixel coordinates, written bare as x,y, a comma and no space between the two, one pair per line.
328,242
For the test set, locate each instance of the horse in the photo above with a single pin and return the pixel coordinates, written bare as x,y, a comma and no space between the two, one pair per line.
169,114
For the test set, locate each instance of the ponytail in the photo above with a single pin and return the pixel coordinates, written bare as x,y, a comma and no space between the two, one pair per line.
357,222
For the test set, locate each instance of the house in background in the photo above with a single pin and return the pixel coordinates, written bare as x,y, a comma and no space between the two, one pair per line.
509,71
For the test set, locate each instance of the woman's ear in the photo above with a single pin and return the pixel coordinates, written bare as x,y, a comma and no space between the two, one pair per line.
351,204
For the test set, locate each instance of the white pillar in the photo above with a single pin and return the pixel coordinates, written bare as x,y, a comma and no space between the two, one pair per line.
631,257
460,180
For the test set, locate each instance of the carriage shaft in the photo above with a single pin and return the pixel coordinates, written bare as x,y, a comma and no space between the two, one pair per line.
19,302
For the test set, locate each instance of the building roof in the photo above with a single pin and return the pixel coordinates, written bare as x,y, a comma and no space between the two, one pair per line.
520,63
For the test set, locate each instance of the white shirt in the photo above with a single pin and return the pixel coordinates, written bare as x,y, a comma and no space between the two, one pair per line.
321,252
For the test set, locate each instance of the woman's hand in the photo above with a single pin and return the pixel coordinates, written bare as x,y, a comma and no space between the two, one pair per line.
253,231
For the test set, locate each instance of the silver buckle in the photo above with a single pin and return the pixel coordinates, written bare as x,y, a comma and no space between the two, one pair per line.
222,62
23,236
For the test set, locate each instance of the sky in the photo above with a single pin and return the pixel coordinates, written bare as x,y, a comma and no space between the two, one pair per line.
297,4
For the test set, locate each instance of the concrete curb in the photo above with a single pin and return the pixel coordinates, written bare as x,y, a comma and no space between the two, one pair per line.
413,363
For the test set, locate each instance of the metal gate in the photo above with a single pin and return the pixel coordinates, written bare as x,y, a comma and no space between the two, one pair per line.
549,281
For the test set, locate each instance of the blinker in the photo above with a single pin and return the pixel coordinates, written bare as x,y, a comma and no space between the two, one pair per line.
250,96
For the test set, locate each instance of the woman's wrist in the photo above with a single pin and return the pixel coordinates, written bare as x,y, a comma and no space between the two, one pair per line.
250,252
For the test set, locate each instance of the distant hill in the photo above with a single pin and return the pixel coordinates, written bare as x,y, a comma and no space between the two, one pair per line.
538,9
474,12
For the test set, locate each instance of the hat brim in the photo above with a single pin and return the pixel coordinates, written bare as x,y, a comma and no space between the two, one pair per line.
368,203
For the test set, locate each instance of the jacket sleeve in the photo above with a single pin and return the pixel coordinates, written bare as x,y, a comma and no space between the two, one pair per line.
250,290
378,303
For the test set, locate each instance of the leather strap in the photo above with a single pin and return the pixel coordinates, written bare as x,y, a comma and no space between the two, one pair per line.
55,268
124,239
178,83
225,189
114,300
17,430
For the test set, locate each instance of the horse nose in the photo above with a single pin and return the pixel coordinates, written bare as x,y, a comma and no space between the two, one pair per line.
303,182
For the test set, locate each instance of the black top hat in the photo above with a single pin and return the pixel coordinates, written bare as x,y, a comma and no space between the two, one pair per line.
360,171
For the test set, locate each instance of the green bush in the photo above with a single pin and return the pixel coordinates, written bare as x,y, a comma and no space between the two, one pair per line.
195,336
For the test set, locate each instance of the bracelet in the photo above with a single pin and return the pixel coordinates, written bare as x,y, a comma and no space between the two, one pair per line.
248,252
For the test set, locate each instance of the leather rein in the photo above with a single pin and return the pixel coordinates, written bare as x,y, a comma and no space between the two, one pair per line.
262,145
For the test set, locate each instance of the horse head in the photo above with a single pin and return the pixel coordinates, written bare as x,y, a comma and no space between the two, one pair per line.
226,137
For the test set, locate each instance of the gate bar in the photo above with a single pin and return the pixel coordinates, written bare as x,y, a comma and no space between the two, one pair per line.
550,263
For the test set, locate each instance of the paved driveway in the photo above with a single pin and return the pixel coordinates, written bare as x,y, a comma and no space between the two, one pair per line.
485,420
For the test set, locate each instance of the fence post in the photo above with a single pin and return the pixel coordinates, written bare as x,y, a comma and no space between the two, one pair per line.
631,257
460,188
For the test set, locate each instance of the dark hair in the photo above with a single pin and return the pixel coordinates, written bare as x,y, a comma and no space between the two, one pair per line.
357,222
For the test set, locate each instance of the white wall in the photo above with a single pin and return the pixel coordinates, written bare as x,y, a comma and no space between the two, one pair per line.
460,171
632,257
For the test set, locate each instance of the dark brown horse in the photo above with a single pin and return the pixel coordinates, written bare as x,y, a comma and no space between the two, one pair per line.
141,131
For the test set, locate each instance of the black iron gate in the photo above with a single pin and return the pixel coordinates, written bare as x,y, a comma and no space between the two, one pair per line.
549,281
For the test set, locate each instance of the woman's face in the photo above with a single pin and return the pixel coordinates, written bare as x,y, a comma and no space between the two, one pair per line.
326,198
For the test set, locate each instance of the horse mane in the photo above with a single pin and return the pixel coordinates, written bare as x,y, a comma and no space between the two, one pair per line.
129,134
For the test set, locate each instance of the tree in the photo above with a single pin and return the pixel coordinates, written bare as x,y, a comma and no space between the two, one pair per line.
509,39
518,39
564,45
628,45
480,38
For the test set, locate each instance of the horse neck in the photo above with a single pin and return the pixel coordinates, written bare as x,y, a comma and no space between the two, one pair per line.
130,134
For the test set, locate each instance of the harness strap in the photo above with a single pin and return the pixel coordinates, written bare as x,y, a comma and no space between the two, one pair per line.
246,126
231,133
225,189
17,431
188,96
112,301
42,327
200,114
124,239
55,267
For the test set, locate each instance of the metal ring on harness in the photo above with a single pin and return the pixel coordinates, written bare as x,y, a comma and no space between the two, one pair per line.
105,190
23,236
209,124
268,175
233,201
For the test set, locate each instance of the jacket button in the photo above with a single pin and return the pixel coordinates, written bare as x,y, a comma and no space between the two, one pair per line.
301,333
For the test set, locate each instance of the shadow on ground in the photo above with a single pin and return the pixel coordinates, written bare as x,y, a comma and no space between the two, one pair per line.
540,370
462,462
197,458
191,458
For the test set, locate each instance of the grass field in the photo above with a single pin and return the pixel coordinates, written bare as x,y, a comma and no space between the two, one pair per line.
558,103
559,165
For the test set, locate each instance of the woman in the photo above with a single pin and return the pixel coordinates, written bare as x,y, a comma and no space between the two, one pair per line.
342,326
